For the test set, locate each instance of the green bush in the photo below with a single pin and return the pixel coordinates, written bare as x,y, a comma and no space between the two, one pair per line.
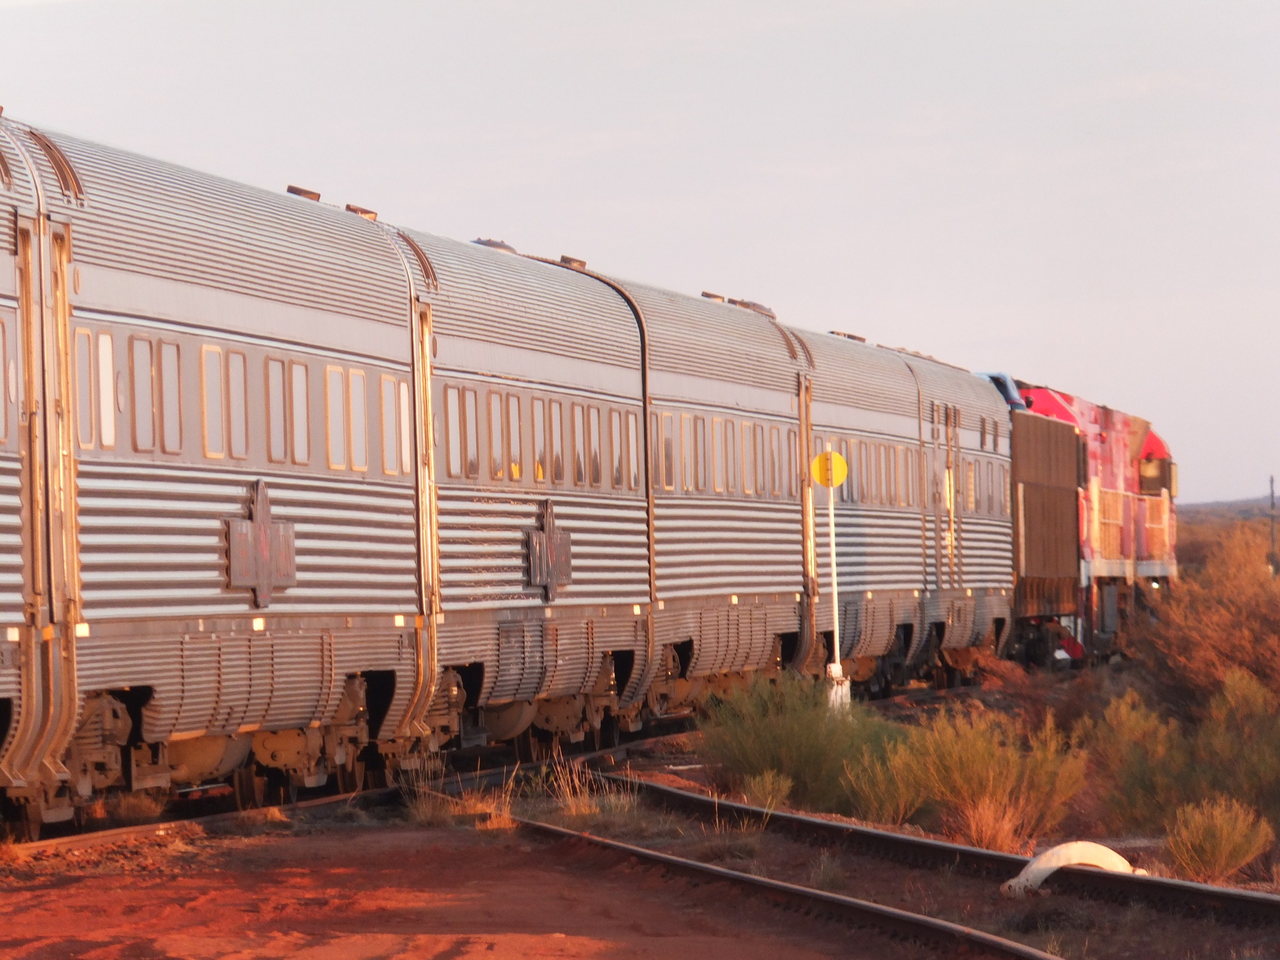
1236,748
992,785
1212,839
884,784
787,726
1141,763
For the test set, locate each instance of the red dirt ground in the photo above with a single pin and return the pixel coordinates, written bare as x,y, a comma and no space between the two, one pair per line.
358,892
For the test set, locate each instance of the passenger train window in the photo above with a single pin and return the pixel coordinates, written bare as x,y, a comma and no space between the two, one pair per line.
299,409
730,456
277,419
516,447
142,387
793,462
453,431
748,459
556,410
717,454
633,445
775,460
668,452
390,444
594,453
686,452
617,444
471,433
212,401
170,398
84,387
406,428
107,390
237,406
540,440
761,459
970,486
358,428
700,453
335,416
497,452
579,445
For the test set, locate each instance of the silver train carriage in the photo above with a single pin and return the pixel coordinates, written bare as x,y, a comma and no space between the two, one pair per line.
290,491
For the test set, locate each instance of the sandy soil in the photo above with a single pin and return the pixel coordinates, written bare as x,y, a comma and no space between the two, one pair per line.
384,890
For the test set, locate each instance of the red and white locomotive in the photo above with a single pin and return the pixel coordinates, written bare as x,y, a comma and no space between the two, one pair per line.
291,492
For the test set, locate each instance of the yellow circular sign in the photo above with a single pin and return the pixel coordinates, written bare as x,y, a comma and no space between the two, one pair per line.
829,469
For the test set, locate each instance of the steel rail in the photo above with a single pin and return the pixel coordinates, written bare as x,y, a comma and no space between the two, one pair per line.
890,921
1243,907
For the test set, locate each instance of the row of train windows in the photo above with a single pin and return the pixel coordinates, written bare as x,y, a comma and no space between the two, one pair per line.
731,457
576,443
156,372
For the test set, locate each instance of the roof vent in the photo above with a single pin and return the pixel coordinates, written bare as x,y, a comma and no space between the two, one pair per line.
713,296
756,307
303,192
362,212
573,263
848,336
495,244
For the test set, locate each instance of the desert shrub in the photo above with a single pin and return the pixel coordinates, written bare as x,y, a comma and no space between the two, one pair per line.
1141,762
992,785
768,789
1236,747
1223,617
788,726
1214,838
885,785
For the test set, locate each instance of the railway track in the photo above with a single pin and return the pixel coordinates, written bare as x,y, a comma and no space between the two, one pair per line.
1184,899
942,936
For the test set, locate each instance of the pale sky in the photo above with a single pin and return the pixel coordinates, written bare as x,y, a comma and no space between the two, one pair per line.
1083,193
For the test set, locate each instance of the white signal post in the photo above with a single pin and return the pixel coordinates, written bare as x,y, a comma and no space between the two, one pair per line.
830,469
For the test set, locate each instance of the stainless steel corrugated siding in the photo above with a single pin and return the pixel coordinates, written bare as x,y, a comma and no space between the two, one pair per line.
987,551
502,298
11,604
738,638
875,549
153,543
860,375
975,396
713,547
21,192
220,684
700,337
482,548
167,221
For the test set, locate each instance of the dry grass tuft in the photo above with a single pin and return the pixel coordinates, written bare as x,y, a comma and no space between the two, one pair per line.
827,873
768,789
131,809
1212,839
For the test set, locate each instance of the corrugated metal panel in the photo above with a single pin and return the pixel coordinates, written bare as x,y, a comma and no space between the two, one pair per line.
986,552
482,548
501,298
875,549
718,547
163,220
18,191
222,683
153,543
11,603
697,336
861,375
975,396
